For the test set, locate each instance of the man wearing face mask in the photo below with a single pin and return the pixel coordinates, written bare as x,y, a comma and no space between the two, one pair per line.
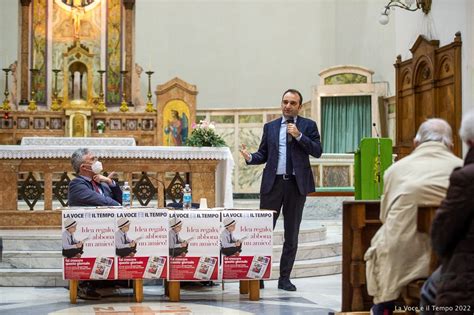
90,188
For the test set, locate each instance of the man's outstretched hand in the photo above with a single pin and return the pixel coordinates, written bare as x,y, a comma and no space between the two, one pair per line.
245,153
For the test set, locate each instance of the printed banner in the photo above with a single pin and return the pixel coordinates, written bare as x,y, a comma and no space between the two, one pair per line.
88,244
194,245
246,244
141,243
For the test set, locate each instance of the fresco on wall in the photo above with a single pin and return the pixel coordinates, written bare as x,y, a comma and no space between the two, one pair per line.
114,56
345,78
175,123
39,49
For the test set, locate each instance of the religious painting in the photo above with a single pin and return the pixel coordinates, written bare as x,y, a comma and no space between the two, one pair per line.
23,123
175,123
39,123
39,49
114,54
115,124
131,124
147,124
56,123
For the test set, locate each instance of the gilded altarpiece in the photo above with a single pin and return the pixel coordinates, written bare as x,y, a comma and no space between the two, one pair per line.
68,25
96,29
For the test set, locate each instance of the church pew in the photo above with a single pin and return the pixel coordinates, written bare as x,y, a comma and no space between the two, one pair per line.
360,223
411,293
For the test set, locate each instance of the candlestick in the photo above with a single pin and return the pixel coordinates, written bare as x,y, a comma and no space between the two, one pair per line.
6,101
55,104
149,103
123,105
101,107
32,104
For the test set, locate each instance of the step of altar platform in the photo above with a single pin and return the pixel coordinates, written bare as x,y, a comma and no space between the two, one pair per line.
312,267
32,278
32,259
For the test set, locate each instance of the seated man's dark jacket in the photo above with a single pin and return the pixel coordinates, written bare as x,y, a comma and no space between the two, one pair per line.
82,194
452,235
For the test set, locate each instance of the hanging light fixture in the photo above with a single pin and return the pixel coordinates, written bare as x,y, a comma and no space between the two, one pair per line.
424,5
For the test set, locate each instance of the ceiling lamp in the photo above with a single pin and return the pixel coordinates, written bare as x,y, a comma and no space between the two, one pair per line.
424,5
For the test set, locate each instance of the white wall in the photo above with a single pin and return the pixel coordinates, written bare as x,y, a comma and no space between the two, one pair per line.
246,53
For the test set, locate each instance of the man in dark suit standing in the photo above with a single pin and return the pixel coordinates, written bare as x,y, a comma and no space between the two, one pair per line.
90,188
286,145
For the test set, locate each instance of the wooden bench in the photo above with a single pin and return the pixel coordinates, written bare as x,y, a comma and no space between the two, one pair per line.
411,293
137,290
360,222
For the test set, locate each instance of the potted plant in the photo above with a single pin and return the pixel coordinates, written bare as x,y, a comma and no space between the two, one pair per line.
204,135
100,126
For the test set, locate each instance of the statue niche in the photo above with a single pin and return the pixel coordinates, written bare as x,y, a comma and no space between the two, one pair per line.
78,70
77,81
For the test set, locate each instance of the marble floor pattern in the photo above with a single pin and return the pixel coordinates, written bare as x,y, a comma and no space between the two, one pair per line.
317,295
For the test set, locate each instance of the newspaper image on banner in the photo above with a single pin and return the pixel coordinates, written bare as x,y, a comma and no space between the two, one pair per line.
194,245
246,244
88,244
141,243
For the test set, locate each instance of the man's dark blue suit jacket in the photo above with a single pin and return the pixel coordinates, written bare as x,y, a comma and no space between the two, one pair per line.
82,194
309,144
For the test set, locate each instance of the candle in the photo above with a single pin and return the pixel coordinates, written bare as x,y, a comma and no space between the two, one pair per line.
149,62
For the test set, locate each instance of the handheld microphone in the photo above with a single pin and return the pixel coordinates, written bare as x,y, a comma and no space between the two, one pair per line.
376,131
289,137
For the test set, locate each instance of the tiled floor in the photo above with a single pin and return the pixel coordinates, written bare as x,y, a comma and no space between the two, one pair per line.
318,295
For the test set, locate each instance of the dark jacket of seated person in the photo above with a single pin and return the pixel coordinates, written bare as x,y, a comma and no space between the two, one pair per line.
82,193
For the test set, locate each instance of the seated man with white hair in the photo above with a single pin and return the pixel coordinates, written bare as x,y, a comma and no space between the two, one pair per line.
398,253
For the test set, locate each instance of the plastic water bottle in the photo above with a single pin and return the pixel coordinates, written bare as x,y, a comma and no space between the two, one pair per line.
187,197
126,200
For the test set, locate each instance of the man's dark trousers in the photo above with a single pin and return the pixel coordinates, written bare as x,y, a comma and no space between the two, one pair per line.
286,193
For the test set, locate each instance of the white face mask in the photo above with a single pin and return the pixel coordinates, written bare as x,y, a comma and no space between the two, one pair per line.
97,167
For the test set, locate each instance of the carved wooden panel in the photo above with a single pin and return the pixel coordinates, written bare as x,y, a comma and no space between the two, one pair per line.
427,86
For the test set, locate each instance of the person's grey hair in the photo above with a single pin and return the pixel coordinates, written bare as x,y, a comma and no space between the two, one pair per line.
435,129
77,158
467,126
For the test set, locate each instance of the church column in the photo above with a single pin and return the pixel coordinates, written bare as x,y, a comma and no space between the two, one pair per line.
129,11
24,50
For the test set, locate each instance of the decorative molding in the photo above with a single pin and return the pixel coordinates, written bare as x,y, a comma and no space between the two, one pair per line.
176,83
71,141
